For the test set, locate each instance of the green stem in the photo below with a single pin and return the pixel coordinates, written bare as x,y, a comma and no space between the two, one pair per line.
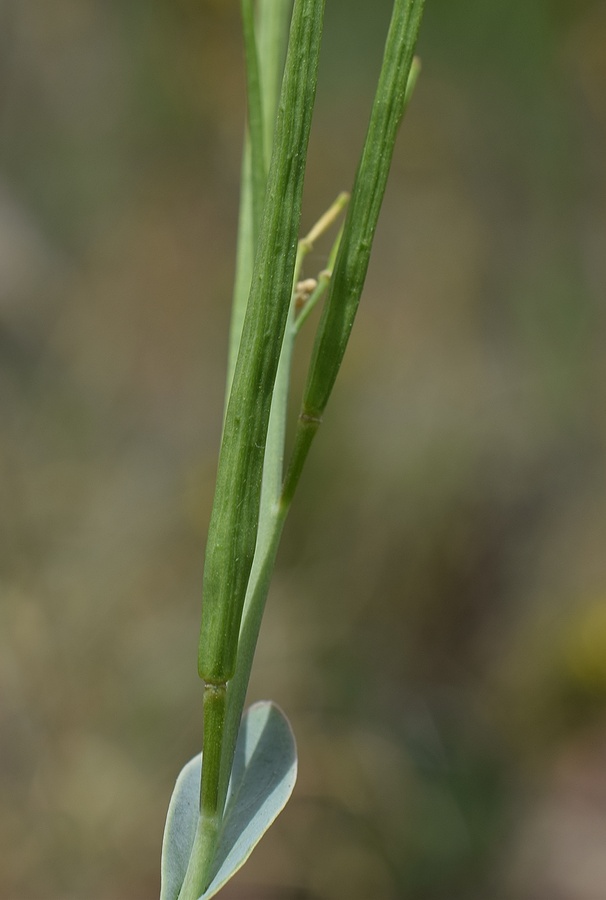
200,861
252,500
271,33
321,287
273,513
234,518
256,121
251,624
272,30
234,525
244,265
214,719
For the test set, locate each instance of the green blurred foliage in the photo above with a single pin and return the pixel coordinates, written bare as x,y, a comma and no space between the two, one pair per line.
436,629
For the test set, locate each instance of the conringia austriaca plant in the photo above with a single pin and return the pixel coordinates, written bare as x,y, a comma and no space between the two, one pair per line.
227,796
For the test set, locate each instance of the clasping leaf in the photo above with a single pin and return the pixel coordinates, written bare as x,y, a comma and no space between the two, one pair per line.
263,777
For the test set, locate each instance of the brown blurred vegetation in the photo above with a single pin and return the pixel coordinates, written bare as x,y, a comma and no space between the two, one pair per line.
437,625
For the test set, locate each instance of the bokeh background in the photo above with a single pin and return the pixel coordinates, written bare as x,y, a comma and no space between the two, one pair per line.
437,625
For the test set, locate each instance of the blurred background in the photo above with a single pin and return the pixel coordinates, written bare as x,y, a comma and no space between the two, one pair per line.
437,624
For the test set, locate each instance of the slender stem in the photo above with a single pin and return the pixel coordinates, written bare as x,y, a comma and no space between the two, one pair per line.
272,28
271,33
255,117
214,719
234,525
252,500
307,427
273,513
413,77
234,518
251,624
200,860
321,287
325,221
244,266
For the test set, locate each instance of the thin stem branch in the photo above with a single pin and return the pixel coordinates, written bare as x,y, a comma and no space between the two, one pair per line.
321,287
255,117
234,525
273,513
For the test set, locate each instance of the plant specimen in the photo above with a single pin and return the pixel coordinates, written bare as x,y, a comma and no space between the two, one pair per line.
226,797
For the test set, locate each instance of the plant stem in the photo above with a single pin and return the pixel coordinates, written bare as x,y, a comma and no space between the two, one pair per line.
256,121
273,513
252,499
234,523
320,289
272,28
271,34
234,517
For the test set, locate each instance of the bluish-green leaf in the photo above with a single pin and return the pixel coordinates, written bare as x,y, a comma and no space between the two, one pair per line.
263,777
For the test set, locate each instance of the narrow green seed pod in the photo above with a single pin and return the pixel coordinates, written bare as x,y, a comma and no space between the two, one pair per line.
347,281
234,518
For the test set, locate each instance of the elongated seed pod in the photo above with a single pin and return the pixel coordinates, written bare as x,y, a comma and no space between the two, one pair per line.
234,517
393,92
371,178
